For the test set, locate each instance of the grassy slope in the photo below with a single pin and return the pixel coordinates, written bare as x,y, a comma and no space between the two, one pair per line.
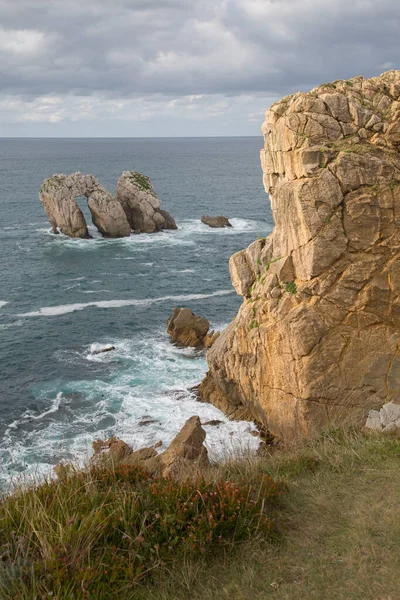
339,532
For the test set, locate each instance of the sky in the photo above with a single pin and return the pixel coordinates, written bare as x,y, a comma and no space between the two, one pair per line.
150,68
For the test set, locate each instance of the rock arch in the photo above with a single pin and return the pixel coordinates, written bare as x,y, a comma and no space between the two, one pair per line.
135,208
58,195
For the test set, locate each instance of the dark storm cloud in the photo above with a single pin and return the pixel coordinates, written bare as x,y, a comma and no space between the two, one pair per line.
133,48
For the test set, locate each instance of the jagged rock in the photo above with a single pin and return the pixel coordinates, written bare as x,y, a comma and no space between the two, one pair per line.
136,194
186,450
317,337
218,221
58,195
187,329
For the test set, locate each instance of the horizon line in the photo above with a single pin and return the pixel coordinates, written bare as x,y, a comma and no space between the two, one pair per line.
140,137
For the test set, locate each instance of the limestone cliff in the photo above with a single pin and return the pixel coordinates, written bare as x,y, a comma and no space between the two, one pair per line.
318,334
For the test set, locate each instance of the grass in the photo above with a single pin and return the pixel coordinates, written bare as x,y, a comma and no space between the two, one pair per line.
339,529
102,531
335,533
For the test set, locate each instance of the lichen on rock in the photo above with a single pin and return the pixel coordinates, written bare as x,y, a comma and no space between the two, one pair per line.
317,337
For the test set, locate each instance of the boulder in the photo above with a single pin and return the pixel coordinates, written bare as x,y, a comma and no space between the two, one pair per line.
317,337
387,419
186,451
218,221
187,329
58,195
142,208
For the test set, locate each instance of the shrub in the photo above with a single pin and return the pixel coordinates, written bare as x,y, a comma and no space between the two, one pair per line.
92,533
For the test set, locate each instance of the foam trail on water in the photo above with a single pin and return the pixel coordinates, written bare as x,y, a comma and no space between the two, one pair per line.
52,311
3,303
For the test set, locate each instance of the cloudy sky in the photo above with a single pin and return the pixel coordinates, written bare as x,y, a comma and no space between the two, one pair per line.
178,67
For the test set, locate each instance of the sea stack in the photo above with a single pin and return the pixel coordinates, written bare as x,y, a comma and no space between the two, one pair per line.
142,207
136,207
317,338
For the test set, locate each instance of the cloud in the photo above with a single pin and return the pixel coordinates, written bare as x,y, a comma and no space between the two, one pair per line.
144,54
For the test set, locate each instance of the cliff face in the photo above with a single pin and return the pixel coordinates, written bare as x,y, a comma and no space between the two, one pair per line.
318,333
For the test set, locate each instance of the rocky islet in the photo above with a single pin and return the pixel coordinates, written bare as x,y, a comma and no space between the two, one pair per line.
135,207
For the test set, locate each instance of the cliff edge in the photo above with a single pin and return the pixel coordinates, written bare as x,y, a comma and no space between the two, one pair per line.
318,335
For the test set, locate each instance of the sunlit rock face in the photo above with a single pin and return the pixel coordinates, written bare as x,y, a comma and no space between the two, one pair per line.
317,337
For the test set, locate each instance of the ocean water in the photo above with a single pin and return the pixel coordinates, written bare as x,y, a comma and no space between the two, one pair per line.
60,298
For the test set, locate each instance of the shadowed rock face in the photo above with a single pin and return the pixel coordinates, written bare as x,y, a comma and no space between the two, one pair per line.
187,329
136,195
58,195
318,334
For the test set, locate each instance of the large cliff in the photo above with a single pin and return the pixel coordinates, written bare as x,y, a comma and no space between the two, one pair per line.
318,334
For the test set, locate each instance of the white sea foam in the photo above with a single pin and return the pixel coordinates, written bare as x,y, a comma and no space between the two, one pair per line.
3,303
151,385
53,311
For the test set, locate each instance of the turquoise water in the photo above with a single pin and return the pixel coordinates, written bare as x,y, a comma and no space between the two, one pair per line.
61,298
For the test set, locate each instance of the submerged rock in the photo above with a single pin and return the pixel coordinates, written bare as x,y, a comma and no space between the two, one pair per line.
108,349
218,221
187,329
317,337
137,197
58,195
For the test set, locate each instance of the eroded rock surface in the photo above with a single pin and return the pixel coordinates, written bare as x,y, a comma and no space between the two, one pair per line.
187,329
317,337
58,195
186,450
142,208
218,221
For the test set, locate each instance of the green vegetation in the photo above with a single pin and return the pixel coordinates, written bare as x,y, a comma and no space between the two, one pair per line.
290,287
141,180
270,262
349,83
253,324
333,533
98,533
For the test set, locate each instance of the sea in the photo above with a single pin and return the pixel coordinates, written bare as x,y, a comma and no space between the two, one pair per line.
62,298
